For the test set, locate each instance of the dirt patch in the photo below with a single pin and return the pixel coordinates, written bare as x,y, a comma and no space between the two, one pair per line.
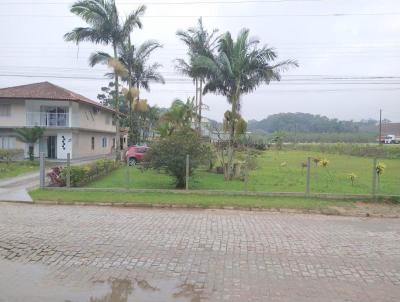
384,209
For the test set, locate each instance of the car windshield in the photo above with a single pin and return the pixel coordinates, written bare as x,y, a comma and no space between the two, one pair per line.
141,150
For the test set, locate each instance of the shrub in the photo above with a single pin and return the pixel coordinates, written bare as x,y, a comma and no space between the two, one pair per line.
82,174
352,176
169,153
9,155
365,150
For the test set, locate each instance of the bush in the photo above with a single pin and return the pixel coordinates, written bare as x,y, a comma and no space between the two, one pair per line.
365,150
9,155
169,153
82,174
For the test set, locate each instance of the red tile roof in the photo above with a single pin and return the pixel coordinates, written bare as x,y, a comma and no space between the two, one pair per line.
46,91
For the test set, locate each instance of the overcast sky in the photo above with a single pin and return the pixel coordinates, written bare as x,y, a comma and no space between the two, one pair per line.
348,51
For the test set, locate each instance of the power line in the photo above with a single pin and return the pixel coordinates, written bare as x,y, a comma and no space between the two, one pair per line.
230,16
171,3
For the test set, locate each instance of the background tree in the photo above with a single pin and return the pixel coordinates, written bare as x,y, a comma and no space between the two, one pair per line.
200,43
30,136
139,74
105,27
107,98
179,116
239,68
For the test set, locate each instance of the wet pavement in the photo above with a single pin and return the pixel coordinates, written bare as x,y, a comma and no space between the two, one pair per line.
110,254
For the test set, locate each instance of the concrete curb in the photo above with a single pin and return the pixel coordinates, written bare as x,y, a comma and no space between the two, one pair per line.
200,207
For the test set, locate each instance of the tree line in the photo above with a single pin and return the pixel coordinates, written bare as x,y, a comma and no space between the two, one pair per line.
310,123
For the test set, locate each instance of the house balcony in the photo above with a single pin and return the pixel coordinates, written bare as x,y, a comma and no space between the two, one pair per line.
47,119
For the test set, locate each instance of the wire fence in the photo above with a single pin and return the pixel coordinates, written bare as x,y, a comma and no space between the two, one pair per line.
273,174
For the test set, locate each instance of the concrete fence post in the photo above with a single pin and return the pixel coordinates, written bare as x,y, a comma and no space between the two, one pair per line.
308,181
42,170
373,191
246,174
187,171
127,178
68,170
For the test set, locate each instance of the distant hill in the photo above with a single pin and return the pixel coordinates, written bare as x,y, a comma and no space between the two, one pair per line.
306,122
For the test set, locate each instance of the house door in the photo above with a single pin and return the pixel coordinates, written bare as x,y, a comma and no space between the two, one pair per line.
52,146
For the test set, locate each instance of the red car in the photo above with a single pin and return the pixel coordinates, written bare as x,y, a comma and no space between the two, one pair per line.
134,154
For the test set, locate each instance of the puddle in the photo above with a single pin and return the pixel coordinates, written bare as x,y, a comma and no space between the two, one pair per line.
33,283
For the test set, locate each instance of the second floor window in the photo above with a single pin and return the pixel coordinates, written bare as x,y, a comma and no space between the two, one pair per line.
5,109
92,143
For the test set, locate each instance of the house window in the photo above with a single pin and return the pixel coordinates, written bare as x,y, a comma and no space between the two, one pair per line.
92,143
7,142
5,109
104,142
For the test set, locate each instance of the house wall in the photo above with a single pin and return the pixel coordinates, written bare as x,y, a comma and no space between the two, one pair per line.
17,116
82,144
100,120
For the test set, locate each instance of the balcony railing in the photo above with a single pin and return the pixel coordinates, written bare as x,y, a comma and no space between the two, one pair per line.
47,119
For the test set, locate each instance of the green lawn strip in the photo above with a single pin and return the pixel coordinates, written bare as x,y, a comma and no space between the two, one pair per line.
277,171
188,199
17,168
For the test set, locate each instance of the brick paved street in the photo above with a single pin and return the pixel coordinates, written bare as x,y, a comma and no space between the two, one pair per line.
73,253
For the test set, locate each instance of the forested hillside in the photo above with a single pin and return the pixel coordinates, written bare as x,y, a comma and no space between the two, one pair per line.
305,122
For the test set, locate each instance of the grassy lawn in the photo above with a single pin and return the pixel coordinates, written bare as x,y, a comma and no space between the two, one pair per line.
190,199
17,168
278,171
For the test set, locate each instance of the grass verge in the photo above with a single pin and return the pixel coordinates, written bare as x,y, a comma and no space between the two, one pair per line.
190,199
17,168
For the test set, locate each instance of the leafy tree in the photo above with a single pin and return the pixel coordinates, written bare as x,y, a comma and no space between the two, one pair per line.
199,42
179,116
105,27
107,98
30,136
169,153
239,68
241,125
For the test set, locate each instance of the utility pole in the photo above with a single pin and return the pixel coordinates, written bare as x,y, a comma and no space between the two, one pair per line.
380,126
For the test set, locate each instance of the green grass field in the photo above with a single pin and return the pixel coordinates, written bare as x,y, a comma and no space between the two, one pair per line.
278,171
17,168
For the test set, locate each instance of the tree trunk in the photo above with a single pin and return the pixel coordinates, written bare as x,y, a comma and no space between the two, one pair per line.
229,174
196,101
130,137
138,116
200,103
31,152
117,125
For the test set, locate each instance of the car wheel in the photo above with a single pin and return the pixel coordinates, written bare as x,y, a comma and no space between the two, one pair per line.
132,161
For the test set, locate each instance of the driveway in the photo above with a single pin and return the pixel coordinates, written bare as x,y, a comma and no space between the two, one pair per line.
110,254
16,188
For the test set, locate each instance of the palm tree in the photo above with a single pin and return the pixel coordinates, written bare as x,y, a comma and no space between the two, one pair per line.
239,68
200,43
132,66
179,116
105,27
30,136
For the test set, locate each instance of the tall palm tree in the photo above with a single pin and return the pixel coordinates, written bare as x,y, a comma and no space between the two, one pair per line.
105,27
135,59
30,136
132,66
200,43
239,68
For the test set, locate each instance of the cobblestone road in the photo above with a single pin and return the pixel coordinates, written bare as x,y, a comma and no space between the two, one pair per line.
190,255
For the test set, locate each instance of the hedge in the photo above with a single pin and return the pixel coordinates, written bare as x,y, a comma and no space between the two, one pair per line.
82,174
11,154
